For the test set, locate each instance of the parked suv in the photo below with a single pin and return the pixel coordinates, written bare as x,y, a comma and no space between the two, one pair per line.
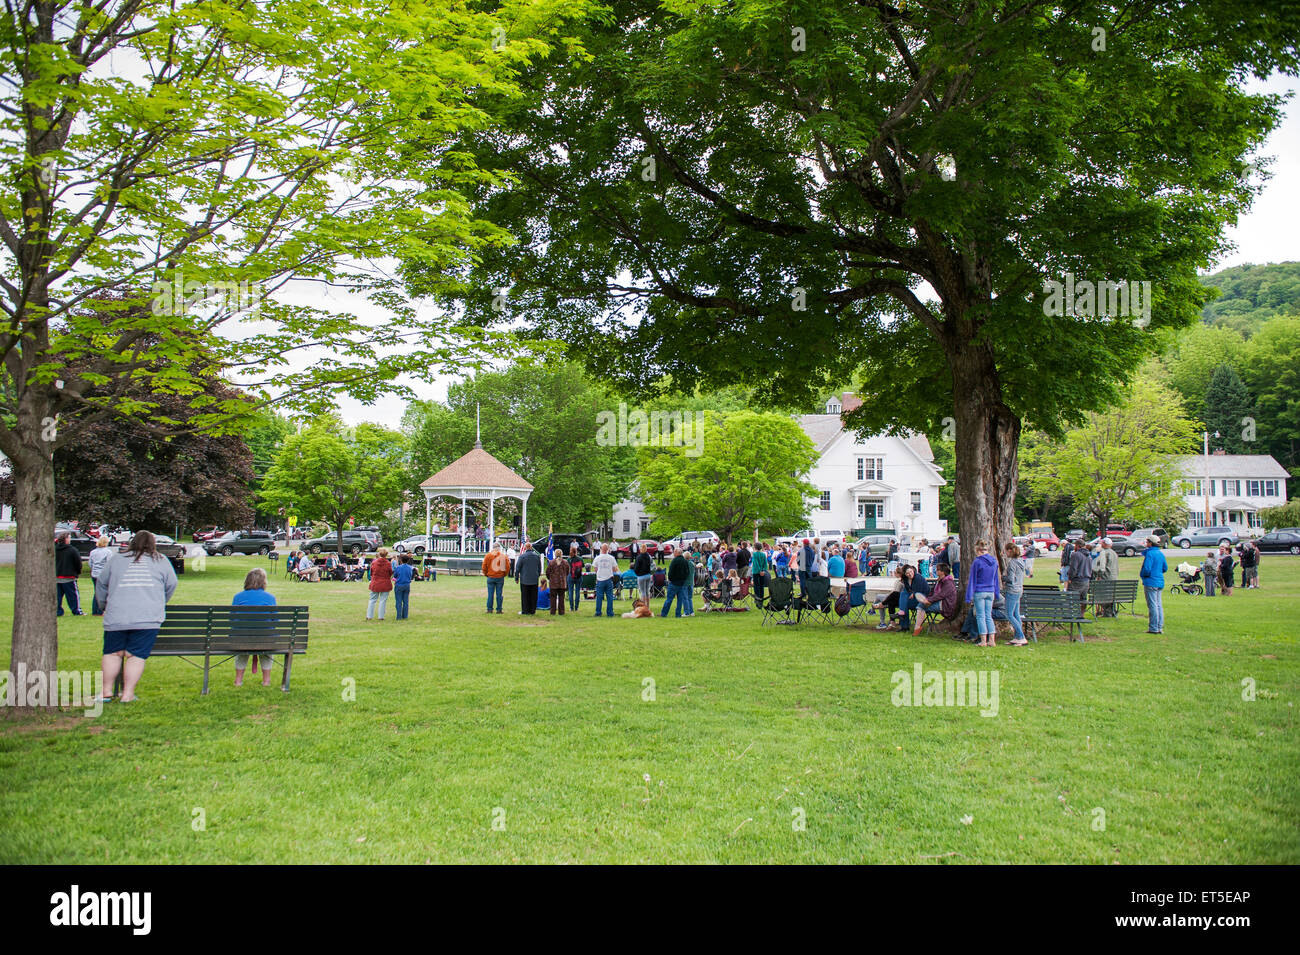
877,544
240,542
1136,542
1205,537
354,542
562,543
691,540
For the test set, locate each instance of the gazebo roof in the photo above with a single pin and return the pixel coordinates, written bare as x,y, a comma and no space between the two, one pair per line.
477,469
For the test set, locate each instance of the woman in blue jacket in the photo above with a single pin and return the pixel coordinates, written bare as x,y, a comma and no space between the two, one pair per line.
982,588
1153,585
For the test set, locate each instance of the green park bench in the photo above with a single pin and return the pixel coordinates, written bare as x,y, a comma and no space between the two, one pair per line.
223,631
1051,608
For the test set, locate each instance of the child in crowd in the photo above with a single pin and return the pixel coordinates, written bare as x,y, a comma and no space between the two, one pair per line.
543,594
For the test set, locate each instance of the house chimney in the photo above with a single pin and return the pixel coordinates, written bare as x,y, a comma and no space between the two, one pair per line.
849,401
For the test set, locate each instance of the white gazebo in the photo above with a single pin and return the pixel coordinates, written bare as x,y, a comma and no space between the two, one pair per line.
477,476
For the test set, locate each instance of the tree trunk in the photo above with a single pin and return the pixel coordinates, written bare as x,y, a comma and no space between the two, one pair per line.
987,435
35,629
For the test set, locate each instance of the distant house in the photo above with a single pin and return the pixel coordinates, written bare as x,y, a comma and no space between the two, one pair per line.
1237,487
881,481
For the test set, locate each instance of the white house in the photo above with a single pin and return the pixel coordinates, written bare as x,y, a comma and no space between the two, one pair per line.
886,481
1236,487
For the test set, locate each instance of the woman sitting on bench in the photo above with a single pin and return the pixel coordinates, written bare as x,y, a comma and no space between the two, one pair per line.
253,595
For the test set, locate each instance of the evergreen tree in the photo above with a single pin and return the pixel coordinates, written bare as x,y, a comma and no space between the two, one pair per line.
1229,410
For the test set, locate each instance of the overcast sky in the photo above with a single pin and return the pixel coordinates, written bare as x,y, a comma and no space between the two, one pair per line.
1267,233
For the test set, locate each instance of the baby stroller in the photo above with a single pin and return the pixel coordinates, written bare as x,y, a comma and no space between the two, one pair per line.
874,568
1190,577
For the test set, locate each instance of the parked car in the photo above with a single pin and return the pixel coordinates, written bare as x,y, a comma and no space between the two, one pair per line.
415,544
1136,541
372,533
1045,539
1116,530
1205,537
205,534
624,551
240,542
1284,540
877,544
562,543
691,540
831,537
354,542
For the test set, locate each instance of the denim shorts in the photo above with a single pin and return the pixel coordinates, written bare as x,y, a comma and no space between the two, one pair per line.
138,643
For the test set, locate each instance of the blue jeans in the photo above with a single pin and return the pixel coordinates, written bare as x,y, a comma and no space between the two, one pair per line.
605,591
688,595
496,585
402,595
983,604
1013,614
1155,609
682,593
906,602
575,593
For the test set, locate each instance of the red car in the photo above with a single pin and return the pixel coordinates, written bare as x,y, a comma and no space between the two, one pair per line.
207,534
1045,540
624,551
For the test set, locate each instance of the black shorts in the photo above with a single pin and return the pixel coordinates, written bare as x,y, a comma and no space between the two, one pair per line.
138,643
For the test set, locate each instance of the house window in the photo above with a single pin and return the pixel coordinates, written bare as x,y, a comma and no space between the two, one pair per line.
1196,519
1193,488
916,502
1252,519
874,509
826,500
1211,487
645,527
871,469
832,407
627,526
1270,488
1231,488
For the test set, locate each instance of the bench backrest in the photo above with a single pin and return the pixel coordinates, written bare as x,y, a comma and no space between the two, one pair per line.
1050,604
198,629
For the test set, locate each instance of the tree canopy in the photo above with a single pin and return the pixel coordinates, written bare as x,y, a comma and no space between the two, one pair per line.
753,468
770,192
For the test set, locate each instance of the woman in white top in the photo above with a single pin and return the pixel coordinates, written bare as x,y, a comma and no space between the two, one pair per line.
98,558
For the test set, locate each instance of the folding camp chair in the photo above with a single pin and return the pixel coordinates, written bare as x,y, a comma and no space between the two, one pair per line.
659,584
859,605
717,595
815,600
744,594
589,586
779,600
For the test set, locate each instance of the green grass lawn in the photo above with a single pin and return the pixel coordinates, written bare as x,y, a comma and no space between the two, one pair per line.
540,724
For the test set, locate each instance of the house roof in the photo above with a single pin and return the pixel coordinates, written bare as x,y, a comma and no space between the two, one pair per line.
1231,466
822,429
477,469
1235,504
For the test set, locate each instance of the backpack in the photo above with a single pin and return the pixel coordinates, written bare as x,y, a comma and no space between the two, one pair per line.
842,604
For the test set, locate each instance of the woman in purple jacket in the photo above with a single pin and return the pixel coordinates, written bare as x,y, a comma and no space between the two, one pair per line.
982,588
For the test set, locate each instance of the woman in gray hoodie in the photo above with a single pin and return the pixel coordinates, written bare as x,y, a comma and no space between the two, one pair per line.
132,589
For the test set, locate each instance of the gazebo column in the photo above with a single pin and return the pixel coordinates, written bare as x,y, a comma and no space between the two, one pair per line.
492,521
428,515
523,524
462,522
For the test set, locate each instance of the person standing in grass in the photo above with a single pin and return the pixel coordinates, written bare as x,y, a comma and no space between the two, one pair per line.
528,571
575,577
253,595
605,567
644,569
758,570
381,584
983,587
1249,566
133,588
557,576
679,584
1105,566
1227,569
98,558
1153,584
1210,571
1080,573
1013,586
67,568
403,573
495,567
